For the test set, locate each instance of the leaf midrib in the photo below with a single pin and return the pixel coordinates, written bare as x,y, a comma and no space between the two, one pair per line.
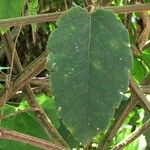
88,71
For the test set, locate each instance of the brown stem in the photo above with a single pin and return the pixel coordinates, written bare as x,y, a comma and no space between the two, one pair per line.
13,56
55,16
29,19
146,80
48,127
24,77
8,47
129,8
27,139
43,81
133,136
141,97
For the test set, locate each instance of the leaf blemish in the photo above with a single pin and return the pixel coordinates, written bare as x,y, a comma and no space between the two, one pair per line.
73,28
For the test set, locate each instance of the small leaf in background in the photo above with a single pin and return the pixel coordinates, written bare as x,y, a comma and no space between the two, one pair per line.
89,59
138,71
52,26
48,105
146,57
133,118
33,8
50,108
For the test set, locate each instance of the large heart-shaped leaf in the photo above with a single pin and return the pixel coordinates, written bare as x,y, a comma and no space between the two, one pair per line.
89,59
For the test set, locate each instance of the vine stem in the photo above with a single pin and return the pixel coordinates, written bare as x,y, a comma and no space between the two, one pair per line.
141,97
55,16
104,143
17,136
33,69
133,136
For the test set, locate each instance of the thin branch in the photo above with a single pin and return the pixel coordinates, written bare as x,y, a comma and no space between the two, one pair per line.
10,55
5,39
129,8
89,2
66,6
38,89
133,136
30,19
143,31
43,81
13,54
103,2
24,77
17,112
47,125
27,139
55,16
141,97
146,80
145,89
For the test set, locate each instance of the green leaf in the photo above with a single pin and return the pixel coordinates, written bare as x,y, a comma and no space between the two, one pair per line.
33,8
138,71
89,59
146,57
48,105
7,110
24,123
10,9
50,108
